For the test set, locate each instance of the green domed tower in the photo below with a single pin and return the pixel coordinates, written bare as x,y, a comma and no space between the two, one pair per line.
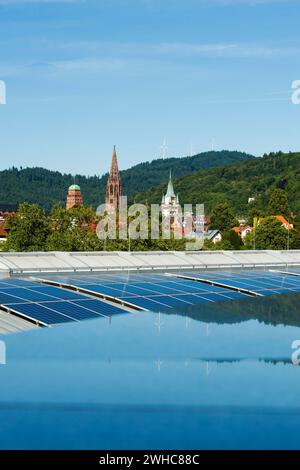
74,198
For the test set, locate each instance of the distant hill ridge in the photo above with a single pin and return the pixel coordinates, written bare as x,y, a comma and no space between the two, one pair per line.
46,188
253,177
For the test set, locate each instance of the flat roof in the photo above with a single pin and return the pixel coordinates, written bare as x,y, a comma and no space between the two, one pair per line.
33,262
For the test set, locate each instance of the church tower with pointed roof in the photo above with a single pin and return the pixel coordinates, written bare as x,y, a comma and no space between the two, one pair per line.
170,206
114,186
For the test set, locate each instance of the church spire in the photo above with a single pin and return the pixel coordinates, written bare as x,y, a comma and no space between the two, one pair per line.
170,190
170,206
114,188
114,169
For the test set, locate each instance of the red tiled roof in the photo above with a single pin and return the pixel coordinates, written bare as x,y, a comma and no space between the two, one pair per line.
284,221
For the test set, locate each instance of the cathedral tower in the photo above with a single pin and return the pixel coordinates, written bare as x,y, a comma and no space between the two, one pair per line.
114,187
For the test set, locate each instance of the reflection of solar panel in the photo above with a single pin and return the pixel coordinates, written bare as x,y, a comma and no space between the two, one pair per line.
50,305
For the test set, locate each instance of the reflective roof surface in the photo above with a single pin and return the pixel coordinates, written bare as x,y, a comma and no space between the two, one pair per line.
213,375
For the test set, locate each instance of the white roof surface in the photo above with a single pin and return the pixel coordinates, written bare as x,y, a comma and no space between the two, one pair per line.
14,263
13,324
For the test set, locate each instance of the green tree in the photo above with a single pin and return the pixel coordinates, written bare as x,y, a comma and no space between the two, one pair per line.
71,230
222,217
74,239
233,239
249,241
28,229
278,204
294,241
270,235
254,211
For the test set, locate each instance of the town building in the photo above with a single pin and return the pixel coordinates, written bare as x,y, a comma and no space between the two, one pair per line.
284,222
214,236
243,231
5,212
74,198
114,185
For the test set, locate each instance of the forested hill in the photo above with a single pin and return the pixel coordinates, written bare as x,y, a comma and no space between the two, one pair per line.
236,183
47,188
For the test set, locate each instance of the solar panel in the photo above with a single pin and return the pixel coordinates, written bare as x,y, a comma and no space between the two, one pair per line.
40,313
150,291
50,305
57,292
36,294
264,283
147,303
7,299
100,307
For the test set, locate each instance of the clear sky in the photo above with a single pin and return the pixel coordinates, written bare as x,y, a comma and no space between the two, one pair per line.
83,75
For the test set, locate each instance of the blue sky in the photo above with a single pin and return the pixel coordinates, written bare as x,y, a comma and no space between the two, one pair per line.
83,75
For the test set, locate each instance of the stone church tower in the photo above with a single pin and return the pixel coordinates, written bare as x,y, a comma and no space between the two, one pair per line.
114,187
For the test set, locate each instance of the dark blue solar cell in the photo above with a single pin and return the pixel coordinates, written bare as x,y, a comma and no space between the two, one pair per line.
172,301
212,297
142,289
195,285
155,288
237,284
27,294
283,290
102,308
120,293
73,310
174,286
40,313
234,295
5,298
20,282
117,285
60,293
102,290
203,287
196,299
147,303
292,282
166,288
267,292
253,286
5,284
295,288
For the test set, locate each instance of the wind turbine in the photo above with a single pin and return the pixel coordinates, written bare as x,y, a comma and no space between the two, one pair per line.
164,148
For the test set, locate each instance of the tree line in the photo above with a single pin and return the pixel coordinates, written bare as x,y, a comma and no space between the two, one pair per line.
48,188
32,229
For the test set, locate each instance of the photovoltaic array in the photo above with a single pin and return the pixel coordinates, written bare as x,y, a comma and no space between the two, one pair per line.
50,305
77,297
